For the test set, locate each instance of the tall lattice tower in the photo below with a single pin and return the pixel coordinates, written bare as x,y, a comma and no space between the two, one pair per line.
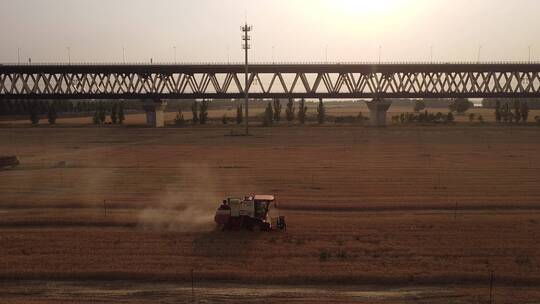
246,46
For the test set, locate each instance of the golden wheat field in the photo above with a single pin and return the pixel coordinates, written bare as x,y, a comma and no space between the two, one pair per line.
403,213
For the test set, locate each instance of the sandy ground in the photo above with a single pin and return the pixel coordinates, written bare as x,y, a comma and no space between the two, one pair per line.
417,213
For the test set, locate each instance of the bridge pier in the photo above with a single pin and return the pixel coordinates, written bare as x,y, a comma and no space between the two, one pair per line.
155,116
377,111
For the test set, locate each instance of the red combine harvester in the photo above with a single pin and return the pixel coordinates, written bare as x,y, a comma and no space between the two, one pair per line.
253,212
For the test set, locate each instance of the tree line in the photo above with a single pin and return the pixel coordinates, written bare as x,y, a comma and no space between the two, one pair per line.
24,107
115,110
272,114
515,111
273,110
518,112
199,114
423,117
36,109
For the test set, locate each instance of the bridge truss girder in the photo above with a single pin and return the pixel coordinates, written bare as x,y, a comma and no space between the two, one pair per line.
269,84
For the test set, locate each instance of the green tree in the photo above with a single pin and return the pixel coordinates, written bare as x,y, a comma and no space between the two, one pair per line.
439,117
517,111
102,113
34,113
95,119
76,107
480,118
195,112
498,111
114,113
26,106
70,106
277,110
268,115
239,114
524,111
179,120
321,112
203,114
419,105
422,117
121,115
505,111
302,111
43,107
401,118
4,108
52,115
450,117
289,111
460,105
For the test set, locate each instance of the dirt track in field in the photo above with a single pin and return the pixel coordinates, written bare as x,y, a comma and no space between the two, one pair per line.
399,207
140,292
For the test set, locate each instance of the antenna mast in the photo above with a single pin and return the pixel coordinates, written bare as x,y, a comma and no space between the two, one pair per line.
246,46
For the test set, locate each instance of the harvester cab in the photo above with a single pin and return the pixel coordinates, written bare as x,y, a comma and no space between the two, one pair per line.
256,213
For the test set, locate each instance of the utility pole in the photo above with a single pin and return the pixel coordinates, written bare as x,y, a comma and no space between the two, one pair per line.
380,50
530,47
19,55
124,55
246,46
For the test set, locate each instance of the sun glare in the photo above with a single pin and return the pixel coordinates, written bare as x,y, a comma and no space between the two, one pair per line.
348,13
362,7
359,6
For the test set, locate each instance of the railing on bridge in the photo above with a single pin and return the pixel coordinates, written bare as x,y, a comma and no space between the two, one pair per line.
217,63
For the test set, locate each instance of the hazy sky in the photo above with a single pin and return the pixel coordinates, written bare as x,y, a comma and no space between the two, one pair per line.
298,30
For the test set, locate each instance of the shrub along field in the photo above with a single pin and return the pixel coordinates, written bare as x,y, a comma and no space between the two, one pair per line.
405,206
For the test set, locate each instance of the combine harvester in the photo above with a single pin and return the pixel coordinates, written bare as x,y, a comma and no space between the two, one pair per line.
254,213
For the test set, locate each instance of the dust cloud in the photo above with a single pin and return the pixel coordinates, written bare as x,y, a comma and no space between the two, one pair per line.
186,205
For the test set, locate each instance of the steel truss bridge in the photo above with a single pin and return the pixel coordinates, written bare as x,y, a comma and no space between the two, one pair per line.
226,81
